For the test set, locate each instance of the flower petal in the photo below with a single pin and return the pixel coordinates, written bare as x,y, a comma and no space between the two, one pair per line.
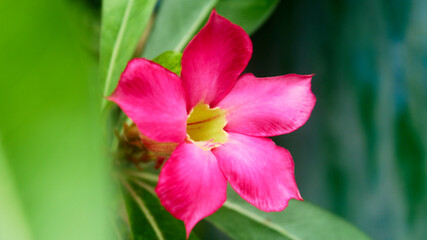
268,106
213,60
259,171
153,98
191,185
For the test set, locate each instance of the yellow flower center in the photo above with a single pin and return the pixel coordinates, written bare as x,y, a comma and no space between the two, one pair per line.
205,126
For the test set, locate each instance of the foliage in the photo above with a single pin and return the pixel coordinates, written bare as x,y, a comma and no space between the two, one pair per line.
53,172
178,21
123,23
366,154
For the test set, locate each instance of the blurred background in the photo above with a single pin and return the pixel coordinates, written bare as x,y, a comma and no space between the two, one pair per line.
362,154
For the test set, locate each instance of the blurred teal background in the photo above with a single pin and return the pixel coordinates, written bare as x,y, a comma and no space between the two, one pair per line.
362,154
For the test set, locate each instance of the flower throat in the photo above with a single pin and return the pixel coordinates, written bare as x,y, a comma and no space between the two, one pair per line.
205,124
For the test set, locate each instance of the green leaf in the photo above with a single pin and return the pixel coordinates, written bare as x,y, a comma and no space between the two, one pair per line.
170,60
300,220
13,224
179,20
56,172
147,217
249,14
240,220
123,23
176,23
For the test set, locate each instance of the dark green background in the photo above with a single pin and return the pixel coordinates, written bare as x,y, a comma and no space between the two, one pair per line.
362,154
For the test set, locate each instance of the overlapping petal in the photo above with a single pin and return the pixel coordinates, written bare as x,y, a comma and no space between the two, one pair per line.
268,106
154,99
213,60
191,185
259,171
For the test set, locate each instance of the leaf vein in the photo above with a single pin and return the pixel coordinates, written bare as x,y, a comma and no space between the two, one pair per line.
260,220
116,47
144,209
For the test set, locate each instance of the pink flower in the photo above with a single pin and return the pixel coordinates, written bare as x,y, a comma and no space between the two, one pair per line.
220,121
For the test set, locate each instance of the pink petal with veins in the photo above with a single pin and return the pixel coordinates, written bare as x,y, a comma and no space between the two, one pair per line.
259,171
213,60
153,98
268,106
191,185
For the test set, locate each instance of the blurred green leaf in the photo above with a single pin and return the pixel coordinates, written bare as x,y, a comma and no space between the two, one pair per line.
179,20
147,217
300,220
249,14
13,224
50,125
170,60
123,23
175,25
